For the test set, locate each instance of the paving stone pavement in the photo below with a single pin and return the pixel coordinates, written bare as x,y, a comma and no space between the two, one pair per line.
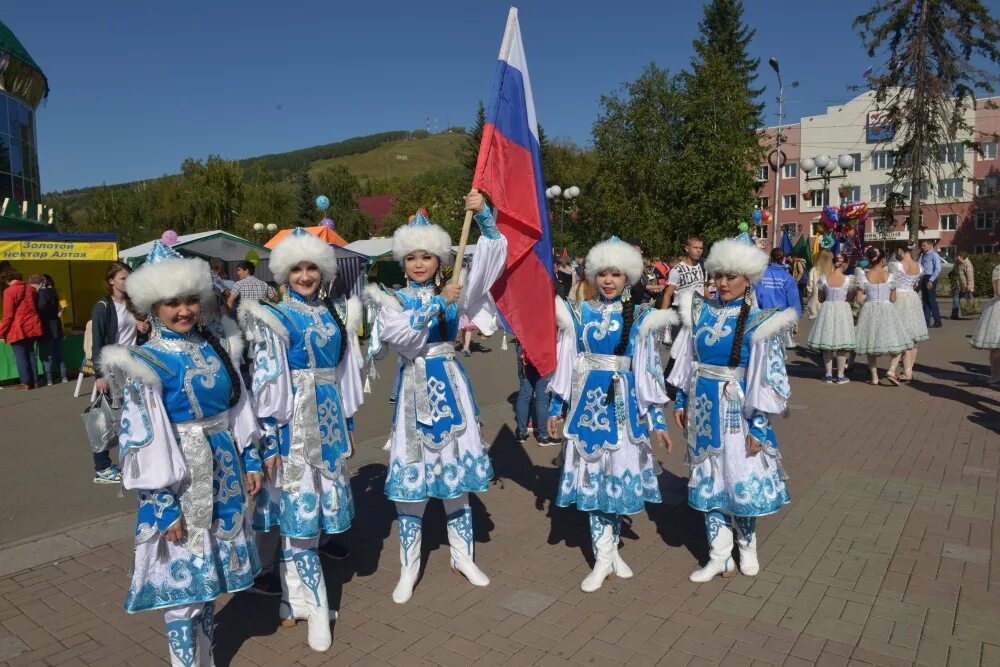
883,558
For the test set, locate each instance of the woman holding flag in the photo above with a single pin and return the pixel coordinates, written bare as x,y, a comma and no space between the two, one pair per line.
436,448
608,372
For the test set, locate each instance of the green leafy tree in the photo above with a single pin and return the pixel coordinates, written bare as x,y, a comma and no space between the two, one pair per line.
306,201
926,85
440,193
343,188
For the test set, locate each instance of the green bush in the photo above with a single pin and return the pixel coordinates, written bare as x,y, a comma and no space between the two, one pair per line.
982,266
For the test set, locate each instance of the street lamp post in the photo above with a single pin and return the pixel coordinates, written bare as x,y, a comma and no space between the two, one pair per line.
825,165
260,227
779,162
568,195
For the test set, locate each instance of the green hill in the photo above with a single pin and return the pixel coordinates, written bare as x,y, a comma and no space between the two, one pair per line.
400,159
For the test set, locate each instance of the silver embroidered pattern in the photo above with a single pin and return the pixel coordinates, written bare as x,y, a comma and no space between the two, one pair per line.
418,403
306,446
196,495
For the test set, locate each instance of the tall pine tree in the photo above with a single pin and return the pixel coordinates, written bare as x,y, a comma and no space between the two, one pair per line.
468,154
307,204
723,32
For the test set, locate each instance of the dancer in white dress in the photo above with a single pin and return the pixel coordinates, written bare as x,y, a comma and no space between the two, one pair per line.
730,380
906,274
436,447
833,330
987,336
608,374
880,328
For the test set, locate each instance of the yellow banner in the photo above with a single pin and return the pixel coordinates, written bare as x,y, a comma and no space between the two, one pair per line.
106,251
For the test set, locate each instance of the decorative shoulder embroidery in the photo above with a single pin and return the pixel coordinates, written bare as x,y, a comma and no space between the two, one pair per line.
150,359
758,318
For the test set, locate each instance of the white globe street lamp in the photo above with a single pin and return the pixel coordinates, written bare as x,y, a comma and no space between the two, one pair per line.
258,227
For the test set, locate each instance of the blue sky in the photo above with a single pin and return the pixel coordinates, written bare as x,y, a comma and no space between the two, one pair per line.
137,87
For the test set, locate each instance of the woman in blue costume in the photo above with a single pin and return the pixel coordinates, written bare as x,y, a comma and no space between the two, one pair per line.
436,448
187,449
608,373
307,386
730,379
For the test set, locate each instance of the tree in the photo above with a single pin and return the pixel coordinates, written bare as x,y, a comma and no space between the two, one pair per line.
342,188
723,32
469,153
306,200
927,85
440,193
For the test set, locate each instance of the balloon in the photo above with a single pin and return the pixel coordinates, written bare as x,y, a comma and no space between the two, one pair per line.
855,209
169,237
766,215
322,202
252,256
423,212
864,217
831,213
826,242
756,215
863,264
327,222
744,227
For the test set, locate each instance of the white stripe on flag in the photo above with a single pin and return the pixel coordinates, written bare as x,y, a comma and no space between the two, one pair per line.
512,51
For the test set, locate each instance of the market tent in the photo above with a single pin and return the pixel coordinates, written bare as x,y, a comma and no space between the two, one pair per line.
372,248
77,263
331,237
216,243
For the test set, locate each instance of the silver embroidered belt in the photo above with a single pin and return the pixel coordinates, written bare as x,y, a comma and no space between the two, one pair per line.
197,497
306,446
731,404
723,373
415,384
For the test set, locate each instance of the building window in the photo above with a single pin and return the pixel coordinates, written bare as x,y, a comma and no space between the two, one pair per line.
883,160
950,187
791,169
989,149
853,193
762,203
947,251
983,249
952,153
986,220
819,197
857,162
986,186
879,192
948,222
762,172
789,202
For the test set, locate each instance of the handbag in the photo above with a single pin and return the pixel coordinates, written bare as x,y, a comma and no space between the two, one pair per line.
102,422
969,306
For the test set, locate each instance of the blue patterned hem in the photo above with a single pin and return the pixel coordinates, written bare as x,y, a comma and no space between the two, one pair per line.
300,518
267,512
202,586
627,494
723,503
470,475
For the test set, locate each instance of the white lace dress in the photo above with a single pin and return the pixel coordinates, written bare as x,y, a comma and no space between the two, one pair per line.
880,328
987,336
908,302
834,326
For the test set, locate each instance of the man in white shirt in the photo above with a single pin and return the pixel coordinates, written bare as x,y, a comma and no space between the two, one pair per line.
688,275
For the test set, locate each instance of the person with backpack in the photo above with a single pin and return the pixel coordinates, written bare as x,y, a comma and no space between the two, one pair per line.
114,321
21,327
50,344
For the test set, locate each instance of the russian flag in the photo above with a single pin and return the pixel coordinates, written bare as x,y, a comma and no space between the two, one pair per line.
509,170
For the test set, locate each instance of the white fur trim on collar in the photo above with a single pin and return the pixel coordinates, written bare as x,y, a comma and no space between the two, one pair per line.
377,295
431,238
685,304
733,255
171,278
355,311
564,319
297,248
614,255
255,310
775,324
657,320
120,358
234,340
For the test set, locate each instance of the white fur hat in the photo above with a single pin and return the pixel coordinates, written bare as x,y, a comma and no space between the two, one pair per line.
614,254
420,234
166,275
739,254
301,246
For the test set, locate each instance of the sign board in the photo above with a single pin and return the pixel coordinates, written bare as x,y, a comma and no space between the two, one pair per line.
879,129
58,250
902,235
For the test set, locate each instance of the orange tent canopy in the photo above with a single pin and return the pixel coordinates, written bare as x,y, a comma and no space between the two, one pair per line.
331,237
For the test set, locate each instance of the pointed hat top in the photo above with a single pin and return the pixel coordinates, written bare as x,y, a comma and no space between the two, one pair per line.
161,252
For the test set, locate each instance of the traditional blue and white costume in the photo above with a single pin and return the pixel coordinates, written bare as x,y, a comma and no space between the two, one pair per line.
730,380
611,381
184,450
436,448
307,386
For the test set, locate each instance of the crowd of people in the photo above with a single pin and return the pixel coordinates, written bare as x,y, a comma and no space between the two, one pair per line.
238,400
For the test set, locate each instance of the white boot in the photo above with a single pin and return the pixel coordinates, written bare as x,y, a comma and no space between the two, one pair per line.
602,538
181,638
292,609
460,539
410,529
622,570
720,542
746,540
310,602
205,629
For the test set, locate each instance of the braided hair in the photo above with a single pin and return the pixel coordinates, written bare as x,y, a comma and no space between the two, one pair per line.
234,377
328,301
741,321
442,317
628,316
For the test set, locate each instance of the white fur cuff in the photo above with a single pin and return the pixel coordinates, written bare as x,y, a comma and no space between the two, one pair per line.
119,358
564,320
658,320
254,310
355,311
377,295
775,324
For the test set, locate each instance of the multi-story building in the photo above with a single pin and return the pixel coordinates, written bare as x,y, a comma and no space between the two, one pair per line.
22,87
960,204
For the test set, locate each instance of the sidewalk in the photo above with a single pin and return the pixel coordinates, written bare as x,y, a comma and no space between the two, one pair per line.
884,556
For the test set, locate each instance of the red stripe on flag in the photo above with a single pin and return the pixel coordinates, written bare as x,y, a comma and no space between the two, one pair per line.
522,297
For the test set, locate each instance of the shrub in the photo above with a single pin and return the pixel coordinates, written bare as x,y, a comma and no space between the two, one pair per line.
982,266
